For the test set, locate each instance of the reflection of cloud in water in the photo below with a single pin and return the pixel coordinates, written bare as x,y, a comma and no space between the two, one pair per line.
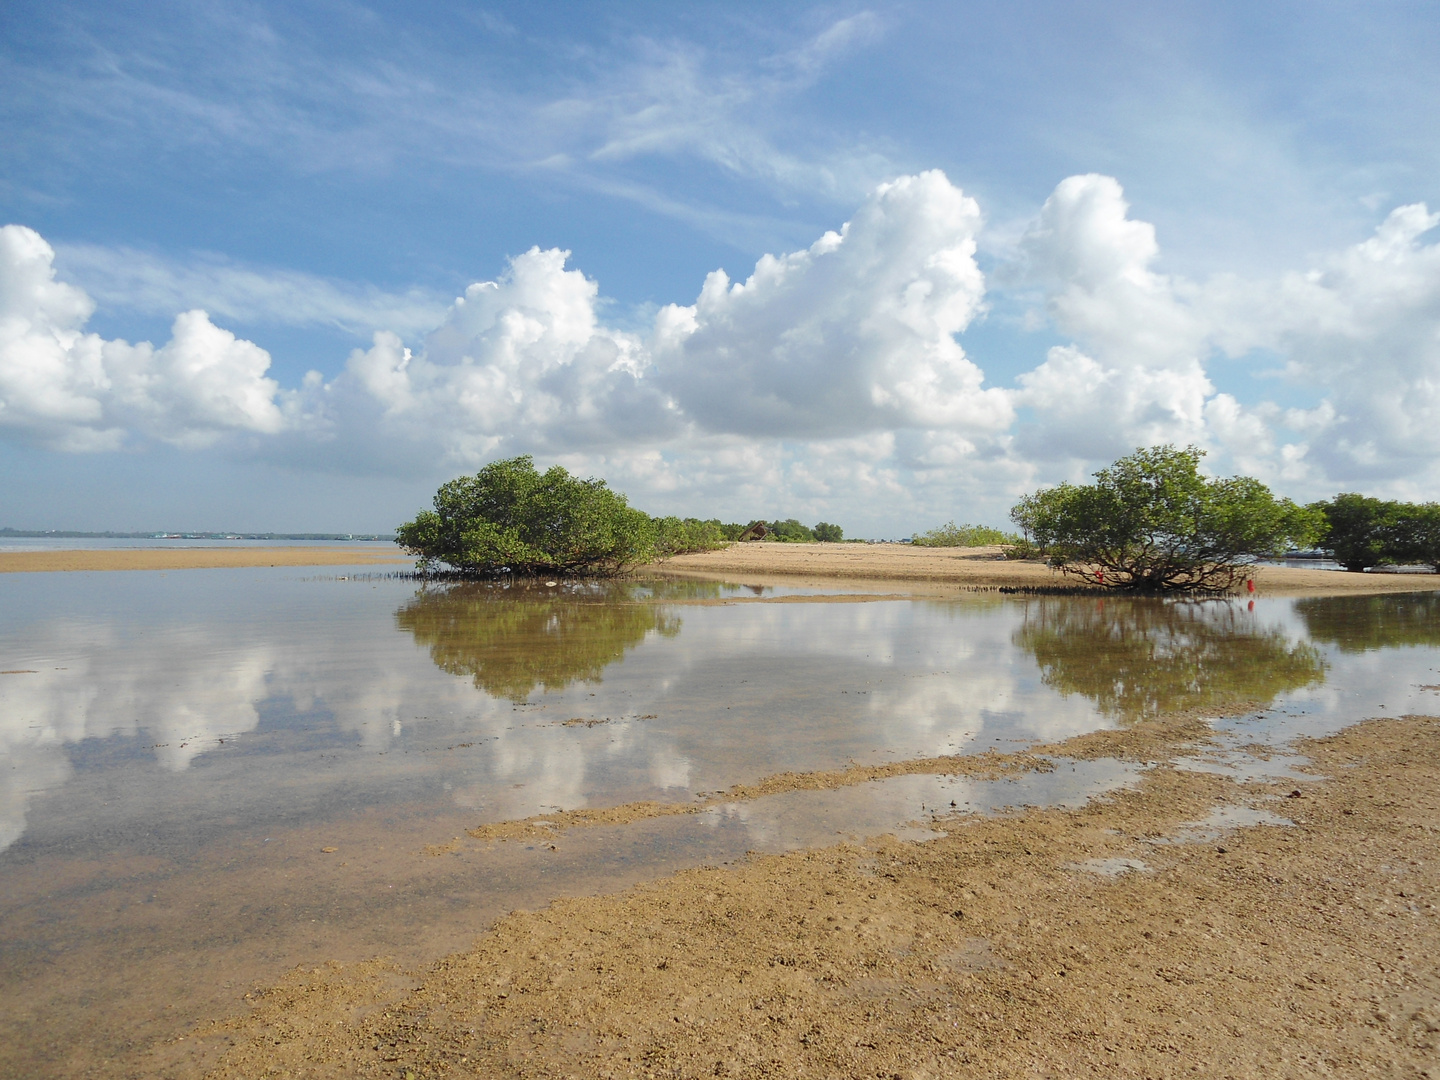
186,690
811,819
973,687
26,768
927,677
185,695
1358,685
388,699
743,691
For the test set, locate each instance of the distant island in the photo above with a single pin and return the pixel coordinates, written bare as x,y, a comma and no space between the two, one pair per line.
67,534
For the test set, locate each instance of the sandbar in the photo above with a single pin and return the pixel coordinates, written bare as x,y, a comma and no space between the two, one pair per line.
943,569
207,558
923,570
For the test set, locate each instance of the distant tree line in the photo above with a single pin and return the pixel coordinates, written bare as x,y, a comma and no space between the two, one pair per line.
1360,532
952,535
713,532
790,531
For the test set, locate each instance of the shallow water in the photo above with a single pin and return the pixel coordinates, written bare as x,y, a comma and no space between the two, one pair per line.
179,750
174,543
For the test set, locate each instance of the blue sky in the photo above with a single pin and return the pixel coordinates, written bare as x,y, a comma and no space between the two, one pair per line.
310,175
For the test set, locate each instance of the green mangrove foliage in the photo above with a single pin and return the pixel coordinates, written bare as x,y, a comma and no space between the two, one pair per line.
513,640
1142,658
1363,623
676,536
790,531
511,518
1415,535
952,535
1152,523
1360,532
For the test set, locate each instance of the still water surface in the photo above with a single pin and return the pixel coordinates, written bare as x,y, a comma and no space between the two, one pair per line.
177,751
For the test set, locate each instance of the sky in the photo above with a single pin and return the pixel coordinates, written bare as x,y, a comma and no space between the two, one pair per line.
289,267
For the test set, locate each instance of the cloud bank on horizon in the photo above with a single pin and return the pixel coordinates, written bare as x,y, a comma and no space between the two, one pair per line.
835,374
232,222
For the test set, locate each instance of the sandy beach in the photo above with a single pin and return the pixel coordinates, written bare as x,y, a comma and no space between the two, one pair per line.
949,568
209,558
1121,939
923,570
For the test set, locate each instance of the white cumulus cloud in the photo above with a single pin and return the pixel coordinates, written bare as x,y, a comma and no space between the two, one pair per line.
1094,412
522,363
1363,324
1135,375
1360,329
855,333
831,380
70,390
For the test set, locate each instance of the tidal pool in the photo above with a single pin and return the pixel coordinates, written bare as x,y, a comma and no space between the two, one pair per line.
208,777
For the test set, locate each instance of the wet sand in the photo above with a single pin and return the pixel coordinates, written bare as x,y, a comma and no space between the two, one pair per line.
193,558
986,568
1038,943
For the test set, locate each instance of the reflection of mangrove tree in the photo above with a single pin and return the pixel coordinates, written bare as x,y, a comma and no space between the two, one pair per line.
1358,623
1139,659
511,640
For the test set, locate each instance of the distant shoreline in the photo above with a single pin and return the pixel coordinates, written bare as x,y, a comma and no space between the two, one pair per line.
192,558
159,534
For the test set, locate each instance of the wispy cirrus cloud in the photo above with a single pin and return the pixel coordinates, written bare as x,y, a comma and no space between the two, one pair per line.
596,121
152,284
672,103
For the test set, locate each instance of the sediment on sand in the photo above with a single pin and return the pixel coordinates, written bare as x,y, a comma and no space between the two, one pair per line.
1116,938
